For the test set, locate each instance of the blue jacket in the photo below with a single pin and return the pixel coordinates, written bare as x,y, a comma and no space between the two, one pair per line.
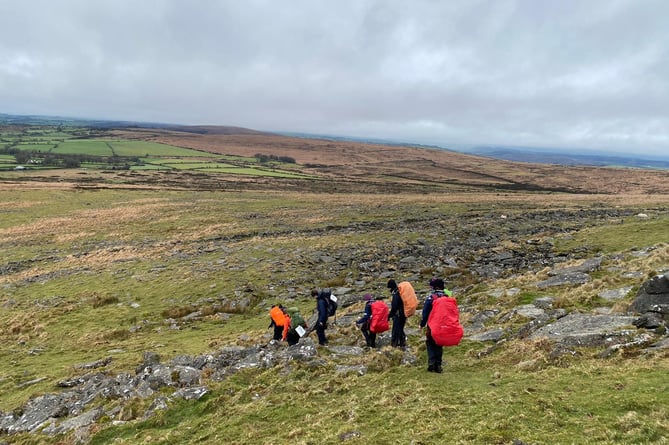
322,307
368,313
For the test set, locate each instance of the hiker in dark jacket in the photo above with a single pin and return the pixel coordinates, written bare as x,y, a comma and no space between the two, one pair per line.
434,351
397,339
322,321
364,322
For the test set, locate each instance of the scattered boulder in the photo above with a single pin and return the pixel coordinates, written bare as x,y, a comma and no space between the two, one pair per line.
494,335
572,279
587,330
653,296
615,294
587,266
652,302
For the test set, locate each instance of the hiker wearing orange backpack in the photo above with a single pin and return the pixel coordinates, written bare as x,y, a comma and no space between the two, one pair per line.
279,321
441,317
398,338
375,320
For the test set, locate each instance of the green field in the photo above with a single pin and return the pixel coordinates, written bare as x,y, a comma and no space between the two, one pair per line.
146,149
84,147
51,144
44,148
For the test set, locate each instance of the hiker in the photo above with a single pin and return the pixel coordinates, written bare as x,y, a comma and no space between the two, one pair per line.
296,319
278,321
375,320
363,322
322,321
398,338
434,351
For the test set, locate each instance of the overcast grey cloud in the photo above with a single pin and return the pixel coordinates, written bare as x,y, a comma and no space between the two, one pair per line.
588,74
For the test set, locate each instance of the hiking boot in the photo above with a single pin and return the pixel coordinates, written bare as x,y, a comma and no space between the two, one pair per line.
431,369
438,369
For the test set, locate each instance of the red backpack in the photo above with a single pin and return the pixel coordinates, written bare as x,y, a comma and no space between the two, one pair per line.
444,321
379,321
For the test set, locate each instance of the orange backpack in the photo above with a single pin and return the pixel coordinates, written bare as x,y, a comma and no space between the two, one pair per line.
409,299
277,316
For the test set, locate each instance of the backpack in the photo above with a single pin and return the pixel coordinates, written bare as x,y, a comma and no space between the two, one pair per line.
409,299
296,319
379,321
331,300
276,314
444,321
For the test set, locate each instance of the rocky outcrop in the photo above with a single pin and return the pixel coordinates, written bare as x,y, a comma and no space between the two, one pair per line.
652,302
75,408
653,295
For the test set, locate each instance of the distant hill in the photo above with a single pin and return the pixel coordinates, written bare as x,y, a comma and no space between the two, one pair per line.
517,154
11,119
568,158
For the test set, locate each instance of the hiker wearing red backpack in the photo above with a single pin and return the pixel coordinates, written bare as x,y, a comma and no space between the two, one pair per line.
441,317
375,320
398,338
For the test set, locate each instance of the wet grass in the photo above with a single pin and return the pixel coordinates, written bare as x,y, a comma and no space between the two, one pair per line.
101,273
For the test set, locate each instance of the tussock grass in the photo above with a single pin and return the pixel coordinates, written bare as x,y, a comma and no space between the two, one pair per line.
93,272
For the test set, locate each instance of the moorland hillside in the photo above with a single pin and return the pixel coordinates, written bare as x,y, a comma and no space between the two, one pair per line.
375,166
134,303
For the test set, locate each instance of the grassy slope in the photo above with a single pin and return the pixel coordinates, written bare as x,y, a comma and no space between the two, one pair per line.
200,245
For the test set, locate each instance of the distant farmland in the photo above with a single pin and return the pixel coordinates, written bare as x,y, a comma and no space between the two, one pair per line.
40,148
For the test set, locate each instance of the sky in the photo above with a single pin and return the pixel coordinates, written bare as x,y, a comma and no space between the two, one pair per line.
583,74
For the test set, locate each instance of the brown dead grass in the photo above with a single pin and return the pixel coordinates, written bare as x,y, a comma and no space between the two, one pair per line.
63,226
391,163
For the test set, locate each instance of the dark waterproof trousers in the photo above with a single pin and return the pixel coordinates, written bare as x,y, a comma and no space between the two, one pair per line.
398,338
320,331
370,337
278,332
434,354
292,338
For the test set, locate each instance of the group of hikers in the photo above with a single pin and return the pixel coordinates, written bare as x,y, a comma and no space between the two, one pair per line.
440,318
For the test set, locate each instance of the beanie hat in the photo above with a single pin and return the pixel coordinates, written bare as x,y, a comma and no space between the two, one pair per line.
367,297
438,284
392,284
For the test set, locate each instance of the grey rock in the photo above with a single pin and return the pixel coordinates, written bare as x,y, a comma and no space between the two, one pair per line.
587,330
73,423
574,278
177,375
192,393
346,350
545,303
96,364
589,265
615,294
530,311
662,344
496,334
649,320
653,292
38,411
